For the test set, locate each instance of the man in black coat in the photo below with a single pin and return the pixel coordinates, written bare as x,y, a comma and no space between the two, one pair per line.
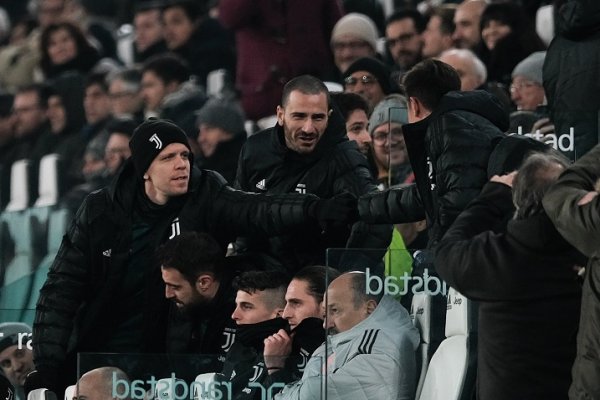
524,275
104,291
308,152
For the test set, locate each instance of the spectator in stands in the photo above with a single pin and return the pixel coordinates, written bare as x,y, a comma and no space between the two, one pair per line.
81,13
148,31
437,36
307,152
97,107
354,36
65,48
197,38
156,196
470,68
524,277
117,147
198,282
365,365
221,135
404,38
370,78
169,93
355,110
508,37
286,353
7,145
389,158
276,42
125,92
572,204
259,302
100,384
16,357
571,75
467,33
526,89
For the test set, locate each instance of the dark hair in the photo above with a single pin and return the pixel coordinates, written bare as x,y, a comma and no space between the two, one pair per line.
42,90
418,19
508,13
194,10
306,84
358,286
192,254
97,78
446,13
251,281
317,278
349,102
538,172
85,57
429,81
168,67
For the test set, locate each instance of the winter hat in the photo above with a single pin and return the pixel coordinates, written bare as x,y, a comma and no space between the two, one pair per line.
391,109
222,114
9,334
150,138
375,67
358,25
531,67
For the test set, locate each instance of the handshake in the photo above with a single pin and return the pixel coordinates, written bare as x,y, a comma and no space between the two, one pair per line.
339,211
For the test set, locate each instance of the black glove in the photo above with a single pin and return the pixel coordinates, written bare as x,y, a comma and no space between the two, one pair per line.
340,210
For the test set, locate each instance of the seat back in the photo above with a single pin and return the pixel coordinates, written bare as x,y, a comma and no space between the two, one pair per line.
48,181
420,313
41,394
19,186
215,82
70,392
451,372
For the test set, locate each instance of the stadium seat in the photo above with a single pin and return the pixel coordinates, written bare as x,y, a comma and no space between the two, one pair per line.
70,392
451,371
19,186
41,394
18,236
420,313
215,83
48,181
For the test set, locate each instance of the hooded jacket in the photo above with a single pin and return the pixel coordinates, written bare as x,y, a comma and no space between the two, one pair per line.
375,359
578,224
267,165
572,75
449,152
73,312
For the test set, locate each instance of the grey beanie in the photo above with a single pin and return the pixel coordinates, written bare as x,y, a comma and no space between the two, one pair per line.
223,114
358,25
9,334
531,67
393,108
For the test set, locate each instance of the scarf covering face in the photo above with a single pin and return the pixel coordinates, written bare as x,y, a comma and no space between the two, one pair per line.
253,335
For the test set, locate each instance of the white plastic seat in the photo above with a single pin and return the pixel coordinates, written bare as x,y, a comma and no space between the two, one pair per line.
215,82
19,186
420,313
334,87
41,394
70,392
450,375
48,181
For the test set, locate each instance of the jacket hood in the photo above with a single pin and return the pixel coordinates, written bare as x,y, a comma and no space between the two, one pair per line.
334,134
478,102
389,315
579,18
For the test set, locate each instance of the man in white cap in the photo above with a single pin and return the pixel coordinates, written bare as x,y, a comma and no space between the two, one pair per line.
526,90
354,36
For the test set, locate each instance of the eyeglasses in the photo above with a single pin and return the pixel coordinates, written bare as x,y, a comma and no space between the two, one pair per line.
391,42
365,79
395,135
337,46
522,85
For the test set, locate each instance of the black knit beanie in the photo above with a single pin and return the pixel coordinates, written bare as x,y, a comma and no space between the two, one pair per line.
379,70
150,138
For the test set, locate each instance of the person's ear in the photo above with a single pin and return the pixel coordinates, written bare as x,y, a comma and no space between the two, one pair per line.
371,306
279,312
204,282
280,113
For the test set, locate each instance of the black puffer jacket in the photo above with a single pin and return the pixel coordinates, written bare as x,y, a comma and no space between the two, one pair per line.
266,165
572,75
73,312
449,152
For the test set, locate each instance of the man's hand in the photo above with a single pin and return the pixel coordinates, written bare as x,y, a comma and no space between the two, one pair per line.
341,209
505,179
543,127
277,348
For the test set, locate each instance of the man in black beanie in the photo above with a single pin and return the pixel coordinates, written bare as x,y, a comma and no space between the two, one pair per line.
370,78
106,281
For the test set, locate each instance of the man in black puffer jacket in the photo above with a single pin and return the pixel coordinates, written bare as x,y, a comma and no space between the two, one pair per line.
308,152
104,291
449,140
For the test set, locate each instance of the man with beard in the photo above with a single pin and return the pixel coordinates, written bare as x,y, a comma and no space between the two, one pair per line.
199,284
260,301
355,110
308,152
404,38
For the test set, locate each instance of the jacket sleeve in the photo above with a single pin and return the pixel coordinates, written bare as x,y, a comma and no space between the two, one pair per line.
62,295
472,257
394,205
579,225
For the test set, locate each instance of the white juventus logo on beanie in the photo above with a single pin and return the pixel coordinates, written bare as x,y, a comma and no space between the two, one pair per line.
154,138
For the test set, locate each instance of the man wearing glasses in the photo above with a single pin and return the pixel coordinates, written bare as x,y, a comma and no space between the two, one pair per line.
403,35
369,78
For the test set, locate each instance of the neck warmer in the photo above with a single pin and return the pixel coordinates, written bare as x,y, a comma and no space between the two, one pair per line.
253,335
